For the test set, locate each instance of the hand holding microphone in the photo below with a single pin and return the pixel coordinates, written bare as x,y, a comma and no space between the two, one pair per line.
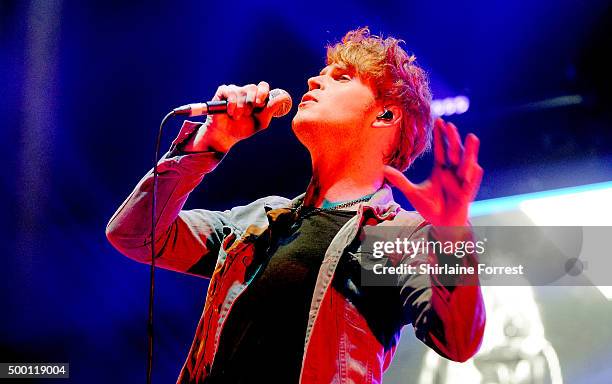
236,114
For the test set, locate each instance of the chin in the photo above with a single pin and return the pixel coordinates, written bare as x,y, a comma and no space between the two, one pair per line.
299,129
301,122
304,128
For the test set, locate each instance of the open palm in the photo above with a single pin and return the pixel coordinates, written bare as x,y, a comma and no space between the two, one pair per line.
444,198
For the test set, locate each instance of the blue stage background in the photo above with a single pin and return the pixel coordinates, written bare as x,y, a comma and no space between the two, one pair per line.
84,86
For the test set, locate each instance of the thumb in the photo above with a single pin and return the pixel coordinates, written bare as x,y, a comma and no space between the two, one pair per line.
401,182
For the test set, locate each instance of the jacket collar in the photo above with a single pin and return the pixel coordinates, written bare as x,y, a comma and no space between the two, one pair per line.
381,204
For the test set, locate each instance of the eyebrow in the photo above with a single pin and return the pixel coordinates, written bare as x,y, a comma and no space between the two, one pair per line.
336,67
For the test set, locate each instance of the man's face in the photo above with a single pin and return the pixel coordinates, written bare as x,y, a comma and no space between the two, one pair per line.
339,105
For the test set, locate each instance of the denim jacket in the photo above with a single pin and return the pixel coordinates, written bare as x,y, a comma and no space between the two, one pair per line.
352,331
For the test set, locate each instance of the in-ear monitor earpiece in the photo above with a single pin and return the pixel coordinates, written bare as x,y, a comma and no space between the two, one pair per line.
386,115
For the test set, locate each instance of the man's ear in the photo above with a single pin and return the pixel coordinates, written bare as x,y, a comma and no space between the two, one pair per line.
389,116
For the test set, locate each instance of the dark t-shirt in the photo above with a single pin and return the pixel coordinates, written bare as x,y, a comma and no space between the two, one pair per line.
263,338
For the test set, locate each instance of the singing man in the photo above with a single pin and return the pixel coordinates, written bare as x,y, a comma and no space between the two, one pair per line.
285,302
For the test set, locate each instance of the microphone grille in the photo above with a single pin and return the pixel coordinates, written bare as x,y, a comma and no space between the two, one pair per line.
285,101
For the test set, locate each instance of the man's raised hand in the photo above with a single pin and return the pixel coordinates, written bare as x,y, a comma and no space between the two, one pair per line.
444,198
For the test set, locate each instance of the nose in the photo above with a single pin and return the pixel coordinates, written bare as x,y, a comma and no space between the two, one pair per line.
314,82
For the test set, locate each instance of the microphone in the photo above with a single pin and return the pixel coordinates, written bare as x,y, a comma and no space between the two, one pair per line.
216,107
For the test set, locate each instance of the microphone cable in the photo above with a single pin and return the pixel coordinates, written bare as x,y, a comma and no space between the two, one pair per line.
152,277
198,109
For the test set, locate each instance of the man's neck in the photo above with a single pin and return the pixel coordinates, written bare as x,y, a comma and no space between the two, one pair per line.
342,179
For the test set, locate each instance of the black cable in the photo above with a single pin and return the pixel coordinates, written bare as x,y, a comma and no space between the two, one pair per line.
153,209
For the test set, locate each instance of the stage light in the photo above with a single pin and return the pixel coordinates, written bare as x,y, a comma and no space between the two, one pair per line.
588,208
462,104
509,203
437,109
450,106
586,205
583,208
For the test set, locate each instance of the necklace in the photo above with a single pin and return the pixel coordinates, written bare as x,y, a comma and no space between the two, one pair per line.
346,204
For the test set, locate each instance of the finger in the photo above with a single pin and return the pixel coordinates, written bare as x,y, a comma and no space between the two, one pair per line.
232,99
221,93
477,179
263,90
251,93
455,149
240,102
470,155
473,175
439,144
227,92
265,115
401,182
